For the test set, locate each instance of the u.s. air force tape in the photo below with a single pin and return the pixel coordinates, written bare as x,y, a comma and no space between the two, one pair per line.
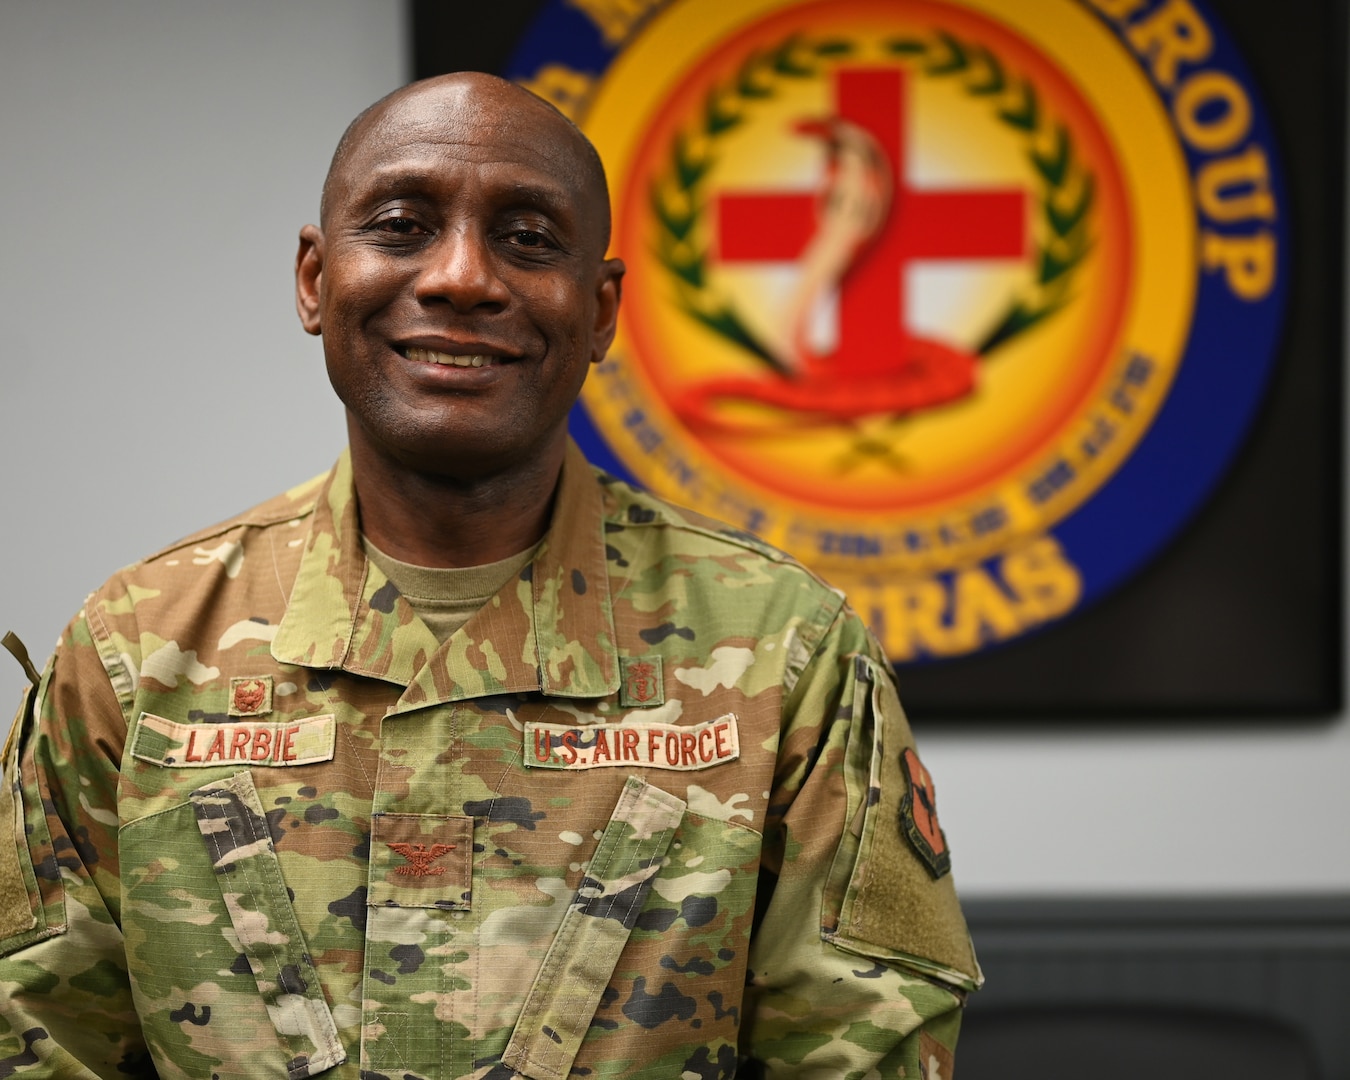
655,745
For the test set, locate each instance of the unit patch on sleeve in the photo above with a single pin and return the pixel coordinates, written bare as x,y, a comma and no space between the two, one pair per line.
918,816
657,746
252,742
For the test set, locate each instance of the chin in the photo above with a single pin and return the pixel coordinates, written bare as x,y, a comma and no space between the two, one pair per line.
462,459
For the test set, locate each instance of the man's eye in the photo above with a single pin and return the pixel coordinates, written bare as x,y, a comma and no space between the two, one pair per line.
527,238
402,226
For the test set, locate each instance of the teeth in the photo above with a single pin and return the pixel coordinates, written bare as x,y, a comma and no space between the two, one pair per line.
429,356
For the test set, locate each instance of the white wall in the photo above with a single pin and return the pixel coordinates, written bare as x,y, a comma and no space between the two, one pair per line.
160,155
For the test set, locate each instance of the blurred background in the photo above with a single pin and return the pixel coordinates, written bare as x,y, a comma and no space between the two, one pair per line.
159,158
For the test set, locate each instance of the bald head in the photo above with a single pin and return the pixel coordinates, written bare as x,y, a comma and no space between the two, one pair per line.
504,104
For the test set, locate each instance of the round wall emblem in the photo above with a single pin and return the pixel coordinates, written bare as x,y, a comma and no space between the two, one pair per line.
966,304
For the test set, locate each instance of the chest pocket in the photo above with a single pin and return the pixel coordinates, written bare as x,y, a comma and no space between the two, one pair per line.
203,876
594,931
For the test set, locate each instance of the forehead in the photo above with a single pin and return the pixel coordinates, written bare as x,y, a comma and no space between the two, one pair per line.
509,140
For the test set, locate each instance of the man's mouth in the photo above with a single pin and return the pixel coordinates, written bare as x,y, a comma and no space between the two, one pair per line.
430,356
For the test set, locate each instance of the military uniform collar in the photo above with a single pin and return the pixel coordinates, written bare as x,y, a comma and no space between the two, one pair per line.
550,630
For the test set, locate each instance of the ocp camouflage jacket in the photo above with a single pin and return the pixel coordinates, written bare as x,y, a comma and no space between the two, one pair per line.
648,814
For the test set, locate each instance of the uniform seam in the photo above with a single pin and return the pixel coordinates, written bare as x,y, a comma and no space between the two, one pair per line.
726,821
355,611
517,756
242,523
626,861
226,872
764,550
626,495
394,1046
441,996
128,825
447,1036
821,630
352,747
859,911
109,656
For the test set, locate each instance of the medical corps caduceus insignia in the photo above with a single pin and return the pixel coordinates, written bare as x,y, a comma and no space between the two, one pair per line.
966,303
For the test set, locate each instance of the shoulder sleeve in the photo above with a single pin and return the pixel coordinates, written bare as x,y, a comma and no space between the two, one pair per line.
861,959
890,893
65,1000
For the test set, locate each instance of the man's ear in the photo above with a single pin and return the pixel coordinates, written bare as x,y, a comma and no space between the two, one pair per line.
309,278
609,291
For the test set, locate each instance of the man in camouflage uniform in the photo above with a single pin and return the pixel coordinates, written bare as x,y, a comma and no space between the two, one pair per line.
463,761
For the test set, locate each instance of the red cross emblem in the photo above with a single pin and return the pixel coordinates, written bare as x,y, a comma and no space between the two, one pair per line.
859,237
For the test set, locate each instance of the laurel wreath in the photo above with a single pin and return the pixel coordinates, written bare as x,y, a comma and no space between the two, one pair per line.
679,195
1069,188
679,198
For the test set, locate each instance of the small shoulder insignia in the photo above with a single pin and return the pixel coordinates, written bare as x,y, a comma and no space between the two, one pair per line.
918,816
251,696
643,686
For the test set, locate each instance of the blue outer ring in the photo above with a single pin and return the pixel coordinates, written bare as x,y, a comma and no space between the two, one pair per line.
1204,420
1219,385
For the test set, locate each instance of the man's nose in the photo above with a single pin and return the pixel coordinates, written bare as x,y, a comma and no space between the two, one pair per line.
460,269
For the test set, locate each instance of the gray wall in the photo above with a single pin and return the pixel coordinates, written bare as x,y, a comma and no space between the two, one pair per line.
159,156
159,159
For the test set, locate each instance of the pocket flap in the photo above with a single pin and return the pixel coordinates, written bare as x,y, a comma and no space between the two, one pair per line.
231,819
581,960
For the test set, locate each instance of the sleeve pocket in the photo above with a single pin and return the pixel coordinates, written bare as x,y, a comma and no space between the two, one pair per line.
885,898
24,917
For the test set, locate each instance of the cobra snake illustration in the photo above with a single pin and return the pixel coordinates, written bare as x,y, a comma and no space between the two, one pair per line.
855,201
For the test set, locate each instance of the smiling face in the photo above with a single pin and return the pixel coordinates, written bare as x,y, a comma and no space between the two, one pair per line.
459,279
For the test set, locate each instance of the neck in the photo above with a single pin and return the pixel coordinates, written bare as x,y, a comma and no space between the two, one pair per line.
443,521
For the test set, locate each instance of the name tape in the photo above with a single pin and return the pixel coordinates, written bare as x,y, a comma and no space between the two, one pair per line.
256,742
655,745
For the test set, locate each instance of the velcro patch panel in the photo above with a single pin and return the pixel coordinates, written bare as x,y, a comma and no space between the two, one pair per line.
421,860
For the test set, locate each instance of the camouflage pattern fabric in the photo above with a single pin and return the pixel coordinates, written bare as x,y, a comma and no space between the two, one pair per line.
640,817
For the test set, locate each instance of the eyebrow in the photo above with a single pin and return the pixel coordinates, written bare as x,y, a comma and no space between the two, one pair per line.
539,194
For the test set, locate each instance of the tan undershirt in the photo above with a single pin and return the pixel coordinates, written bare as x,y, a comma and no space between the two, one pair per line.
445,598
